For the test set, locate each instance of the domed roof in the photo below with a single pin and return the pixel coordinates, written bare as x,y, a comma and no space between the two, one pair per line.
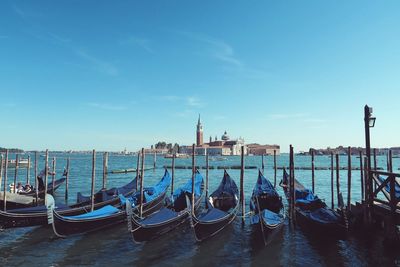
225,137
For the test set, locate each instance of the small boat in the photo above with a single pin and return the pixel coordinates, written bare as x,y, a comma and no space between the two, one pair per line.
109,215
169,217
221,209
265,207
177,155
312,213
37,215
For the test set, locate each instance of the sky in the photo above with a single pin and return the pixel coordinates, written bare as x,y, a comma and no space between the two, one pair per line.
110,75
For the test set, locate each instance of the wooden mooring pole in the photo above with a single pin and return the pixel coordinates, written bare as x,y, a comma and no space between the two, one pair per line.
275,168
337,180
46,173
67,178
242,200
291,182
362,176
138,170
262,162
28,171
36,178
173,173
5,182
312,171
16,173
155,160
1,169
207,168
332,183
141,184
349,178
105,170
53,175
193,174
390,161
93,179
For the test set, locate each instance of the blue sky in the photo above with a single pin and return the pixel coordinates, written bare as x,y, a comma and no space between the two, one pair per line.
115,74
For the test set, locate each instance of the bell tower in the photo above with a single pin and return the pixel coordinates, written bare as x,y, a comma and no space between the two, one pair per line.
199,133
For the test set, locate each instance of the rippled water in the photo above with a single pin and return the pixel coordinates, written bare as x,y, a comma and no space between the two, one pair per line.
237,245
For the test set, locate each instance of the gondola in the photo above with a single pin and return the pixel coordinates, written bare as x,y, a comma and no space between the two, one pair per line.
169,217
57,184
33,216
265,207
221,209
109,215
312,213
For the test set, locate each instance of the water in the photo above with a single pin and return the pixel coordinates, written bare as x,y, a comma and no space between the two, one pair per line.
237,245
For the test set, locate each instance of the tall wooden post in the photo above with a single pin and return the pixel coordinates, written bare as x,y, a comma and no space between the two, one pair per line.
16,172
262,162
155,160
5,182
193,174
368,179
93,179
28,170
332,184
105,170
375,165
46,174
337,179
242,200
53,174
362,176
313,171
207,167
141,185
138,170
36,178
274,168
349,179
390,161
292,184
67,178
1,169
173,173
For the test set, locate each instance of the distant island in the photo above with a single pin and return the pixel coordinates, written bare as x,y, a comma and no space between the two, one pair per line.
341,150
11,150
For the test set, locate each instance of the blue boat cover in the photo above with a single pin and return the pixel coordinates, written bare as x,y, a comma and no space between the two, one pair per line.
227,185
213,214
387,187
151,193
263,186
272,218
325,216
305,196
100,213
162,215
198,181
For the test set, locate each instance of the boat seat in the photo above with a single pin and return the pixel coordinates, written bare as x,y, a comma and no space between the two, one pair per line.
225,201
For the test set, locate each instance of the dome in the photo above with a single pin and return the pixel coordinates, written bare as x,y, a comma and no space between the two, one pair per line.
225,137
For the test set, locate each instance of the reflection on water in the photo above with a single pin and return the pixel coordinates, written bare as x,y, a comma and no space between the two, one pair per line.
235,245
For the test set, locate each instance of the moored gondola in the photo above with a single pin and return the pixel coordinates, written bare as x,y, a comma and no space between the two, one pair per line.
312,213
106,216
221,209
265,207
33,216
169,217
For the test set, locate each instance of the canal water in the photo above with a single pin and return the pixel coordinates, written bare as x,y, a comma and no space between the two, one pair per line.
237,245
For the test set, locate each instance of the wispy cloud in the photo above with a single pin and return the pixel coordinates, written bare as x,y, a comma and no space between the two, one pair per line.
140,42
219,117
282,116
190,101
98,64
219,48
170,98
19,11
194,101
184,113
106,106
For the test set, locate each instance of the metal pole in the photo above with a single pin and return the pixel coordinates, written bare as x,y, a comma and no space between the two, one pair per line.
67,178
93,179
332,186
349,179
274,168
141,185
5,182
312,170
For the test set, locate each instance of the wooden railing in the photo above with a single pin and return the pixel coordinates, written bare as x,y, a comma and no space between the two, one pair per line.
391,181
